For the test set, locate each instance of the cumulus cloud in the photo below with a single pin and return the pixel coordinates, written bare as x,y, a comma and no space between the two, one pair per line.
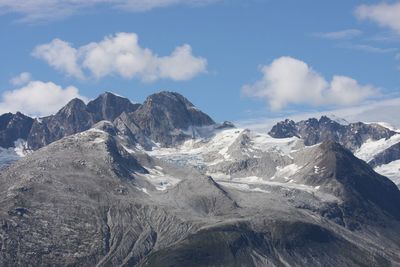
21,79
121,55
291,81
39,10
38,98
385,14
61,56
337,35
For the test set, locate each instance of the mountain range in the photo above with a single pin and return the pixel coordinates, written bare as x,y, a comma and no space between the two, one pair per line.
113,183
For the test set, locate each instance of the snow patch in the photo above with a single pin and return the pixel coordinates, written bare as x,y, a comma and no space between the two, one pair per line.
391,171
371,148
159,180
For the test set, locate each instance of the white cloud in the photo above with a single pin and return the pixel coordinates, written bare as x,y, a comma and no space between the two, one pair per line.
386,15
38,98
290,81
345,34
61,56
121,55
39,10
21,79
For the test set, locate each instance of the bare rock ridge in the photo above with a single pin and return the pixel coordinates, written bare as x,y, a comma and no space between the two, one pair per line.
314,131
164,118
357,137
14,127
109,106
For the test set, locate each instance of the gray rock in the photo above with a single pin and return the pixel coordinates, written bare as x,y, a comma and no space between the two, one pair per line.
14,127
164,117
314,131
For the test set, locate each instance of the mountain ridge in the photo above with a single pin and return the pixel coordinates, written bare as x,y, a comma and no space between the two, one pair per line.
160,183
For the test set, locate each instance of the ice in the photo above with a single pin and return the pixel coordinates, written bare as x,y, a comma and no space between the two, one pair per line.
371,148
391,171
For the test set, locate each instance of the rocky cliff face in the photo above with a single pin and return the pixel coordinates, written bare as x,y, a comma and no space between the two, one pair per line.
14,127
314,131
168,118
109,106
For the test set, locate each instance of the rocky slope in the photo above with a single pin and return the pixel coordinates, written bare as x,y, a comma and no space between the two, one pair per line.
161,184
372,142
88,200
314,131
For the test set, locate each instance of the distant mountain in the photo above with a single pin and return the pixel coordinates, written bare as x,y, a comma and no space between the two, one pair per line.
14,127
314,131
376,144
162,184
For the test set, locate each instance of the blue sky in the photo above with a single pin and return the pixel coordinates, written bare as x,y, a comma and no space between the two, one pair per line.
258,44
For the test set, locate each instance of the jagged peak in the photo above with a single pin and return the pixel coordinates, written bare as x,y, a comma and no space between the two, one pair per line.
75,104
162,96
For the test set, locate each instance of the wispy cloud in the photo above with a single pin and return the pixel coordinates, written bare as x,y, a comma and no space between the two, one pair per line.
120,55
384,14
21,79
339,35
369,48
42,10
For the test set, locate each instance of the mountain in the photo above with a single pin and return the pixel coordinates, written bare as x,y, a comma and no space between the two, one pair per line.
162,184
374,143
14,127
109,106
168,118
314,131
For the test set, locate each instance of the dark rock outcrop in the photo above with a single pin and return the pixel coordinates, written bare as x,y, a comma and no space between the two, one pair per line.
14,127
388,155
109,106
314,131
71,119
164,117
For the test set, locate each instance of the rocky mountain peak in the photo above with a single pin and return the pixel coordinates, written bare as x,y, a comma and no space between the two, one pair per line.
314,131
109,106
74,106
165,116
284,129
14,127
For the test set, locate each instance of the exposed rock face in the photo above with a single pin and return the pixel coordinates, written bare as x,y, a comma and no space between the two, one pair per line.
386,156
76,117
284,129
337,171
314,131
71,119
109,106
14,127
164,117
